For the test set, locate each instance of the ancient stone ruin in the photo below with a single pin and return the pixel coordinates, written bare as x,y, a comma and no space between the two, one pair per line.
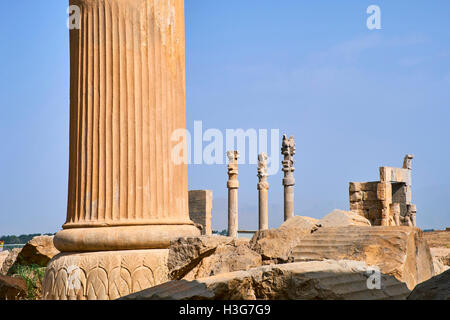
386,202
134,231
127,199
200,207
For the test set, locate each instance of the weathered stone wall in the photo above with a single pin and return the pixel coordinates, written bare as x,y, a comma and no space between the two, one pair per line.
364,200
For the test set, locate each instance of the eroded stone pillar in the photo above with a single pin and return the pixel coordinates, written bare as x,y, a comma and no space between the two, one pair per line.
263,189
288,151
127,96
233,187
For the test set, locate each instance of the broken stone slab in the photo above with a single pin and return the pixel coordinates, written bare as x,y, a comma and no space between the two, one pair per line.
437,288
398,251
341,218
3,256
275,245
9,261
226,258
441,259
12,288
316,280
38,251
185,254
300,222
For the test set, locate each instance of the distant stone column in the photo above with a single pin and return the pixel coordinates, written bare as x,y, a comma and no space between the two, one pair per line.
263,188
233,187
288,151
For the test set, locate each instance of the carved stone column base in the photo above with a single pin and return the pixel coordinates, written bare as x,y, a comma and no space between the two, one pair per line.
121,238
104,275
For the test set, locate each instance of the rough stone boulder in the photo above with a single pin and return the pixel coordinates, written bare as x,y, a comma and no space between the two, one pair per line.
9,261
398,251
209,255
39,251
340,218
3,256
438,239
441,259
226,258
12,288
300,222
437,288
275,245
317,280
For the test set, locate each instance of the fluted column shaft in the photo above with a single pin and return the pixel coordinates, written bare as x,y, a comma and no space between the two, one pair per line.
127,98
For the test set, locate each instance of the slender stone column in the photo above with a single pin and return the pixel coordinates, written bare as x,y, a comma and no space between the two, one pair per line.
127,97
263,188
288,151
233,187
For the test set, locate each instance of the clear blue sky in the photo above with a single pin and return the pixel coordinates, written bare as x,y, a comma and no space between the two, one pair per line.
355,100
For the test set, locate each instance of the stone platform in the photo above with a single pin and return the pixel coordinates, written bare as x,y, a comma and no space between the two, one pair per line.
105,275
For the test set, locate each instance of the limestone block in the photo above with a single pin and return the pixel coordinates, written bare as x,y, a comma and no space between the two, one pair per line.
186,253
370,204
200,207
317,280
384,192
9,261
355,187
225,259
356,196
104,275
275,245
340,218
363,186
370,196
388,174
13,288
441,259
300,222
398,251
437,288
39,251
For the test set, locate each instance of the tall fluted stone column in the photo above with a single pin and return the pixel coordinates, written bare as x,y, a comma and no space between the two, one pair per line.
233,188
263,189
127,80
288,151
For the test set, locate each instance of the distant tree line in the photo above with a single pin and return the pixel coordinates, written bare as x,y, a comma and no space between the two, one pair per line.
220,233
22,239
